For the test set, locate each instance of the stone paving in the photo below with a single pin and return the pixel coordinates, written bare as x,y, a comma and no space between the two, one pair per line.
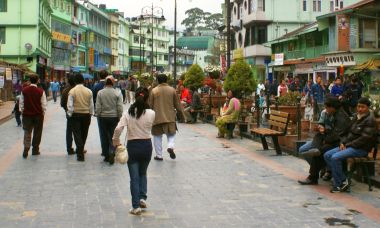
212,183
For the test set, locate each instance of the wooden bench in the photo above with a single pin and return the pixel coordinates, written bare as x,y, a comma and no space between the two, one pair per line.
354,163
278,124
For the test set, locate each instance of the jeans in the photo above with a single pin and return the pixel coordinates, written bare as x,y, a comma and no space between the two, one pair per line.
305,147
55,96
140,153
80,124
334,159
108,125
69,133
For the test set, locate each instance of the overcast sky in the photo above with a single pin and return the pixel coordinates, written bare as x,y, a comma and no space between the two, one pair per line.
132,8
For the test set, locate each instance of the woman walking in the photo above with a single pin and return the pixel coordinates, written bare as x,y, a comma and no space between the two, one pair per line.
139,121
109,109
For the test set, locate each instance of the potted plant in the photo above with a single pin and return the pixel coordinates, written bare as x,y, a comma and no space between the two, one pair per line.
240,78
288,103
194,77
213,71
146,80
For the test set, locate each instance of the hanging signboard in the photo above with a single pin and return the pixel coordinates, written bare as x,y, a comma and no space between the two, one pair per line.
1,82
8,74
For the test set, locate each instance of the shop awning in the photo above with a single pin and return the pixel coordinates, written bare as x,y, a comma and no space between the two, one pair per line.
372,64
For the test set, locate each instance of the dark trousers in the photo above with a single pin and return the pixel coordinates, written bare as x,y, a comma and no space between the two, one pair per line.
123,93
18,118
80,125
101,136
108,125
318,163
55,96
32,124
69,133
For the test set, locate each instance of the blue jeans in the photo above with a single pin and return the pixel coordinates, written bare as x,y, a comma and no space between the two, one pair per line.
140,153
334,159
305,147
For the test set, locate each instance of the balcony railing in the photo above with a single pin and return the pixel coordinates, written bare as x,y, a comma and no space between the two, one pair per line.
308,53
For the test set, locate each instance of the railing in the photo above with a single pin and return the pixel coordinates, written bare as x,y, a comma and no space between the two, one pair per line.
308,53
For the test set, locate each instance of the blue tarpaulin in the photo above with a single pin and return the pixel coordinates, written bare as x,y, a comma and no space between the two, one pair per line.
87,76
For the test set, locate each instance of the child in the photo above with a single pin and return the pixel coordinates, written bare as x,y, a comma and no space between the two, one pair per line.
16,111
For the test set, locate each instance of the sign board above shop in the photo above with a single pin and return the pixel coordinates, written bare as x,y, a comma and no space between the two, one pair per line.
340,59
279,59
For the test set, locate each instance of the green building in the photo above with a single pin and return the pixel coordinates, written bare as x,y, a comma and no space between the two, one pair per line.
61,36
257,22
25,33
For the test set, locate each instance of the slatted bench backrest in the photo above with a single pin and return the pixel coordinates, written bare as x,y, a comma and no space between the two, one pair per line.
279,121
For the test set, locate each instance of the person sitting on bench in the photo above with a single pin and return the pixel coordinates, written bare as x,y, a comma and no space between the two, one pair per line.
229,113
333,126
194,106
362,137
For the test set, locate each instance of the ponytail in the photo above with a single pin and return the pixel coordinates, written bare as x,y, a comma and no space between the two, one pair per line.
138,108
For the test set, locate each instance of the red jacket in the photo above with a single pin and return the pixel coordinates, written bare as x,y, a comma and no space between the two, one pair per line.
32,101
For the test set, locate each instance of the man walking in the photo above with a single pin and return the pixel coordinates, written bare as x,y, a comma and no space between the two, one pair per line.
80,107
164,101
54,86
69,128
97,87
33,108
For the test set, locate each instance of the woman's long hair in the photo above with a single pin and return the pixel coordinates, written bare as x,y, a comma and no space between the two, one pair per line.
138,108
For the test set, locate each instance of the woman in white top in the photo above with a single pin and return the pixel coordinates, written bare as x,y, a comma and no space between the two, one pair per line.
139,121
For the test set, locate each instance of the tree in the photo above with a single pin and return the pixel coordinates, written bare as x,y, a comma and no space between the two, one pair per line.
214,21
194,77
195,18
240,78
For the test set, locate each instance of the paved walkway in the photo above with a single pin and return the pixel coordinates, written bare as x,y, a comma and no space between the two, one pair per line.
212,183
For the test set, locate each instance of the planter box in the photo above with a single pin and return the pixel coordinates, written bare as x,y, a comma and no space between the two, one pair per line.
292,110
305,125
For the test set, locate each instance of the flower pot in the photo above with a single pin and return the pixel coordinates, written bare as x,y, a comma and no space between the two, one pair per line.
305,125
292,110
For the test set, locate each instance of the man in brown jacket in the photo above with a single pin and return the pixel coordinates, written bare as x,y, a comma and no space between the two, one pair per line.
164,101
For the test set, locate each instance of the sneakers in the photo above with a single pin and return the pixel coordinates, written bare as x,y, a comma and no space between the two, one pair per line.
142,203
135,211
171,152
158,158
343,188
70,151
308,181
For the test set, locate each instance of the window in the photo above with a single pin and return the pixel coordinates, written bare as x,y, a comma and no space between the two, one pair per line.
82,58
262,34
304,5
367,33
331,6
135,39
3,5
261,5
81,16
316,5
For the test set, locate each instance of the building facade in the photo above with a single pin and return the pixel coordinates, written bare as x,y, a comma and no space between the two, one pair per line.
25,33
257,22
61,38
123,45
79,39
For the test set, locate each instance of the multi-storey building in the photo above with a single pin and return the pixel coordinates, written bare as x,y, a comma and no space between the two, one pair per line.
25,33
113,16
256,22
79,56
344,41
61,36
99,57
123,45
148,31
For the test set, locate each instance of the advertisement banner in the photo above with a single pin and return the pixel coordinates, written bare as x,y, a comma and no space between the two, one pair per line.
279,59
8,74
61,37
343,32
91,56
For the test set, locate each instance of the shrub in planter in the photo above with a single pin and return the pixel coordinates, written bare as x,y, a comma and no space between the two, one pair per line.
145,79
240,78
194,77
213,71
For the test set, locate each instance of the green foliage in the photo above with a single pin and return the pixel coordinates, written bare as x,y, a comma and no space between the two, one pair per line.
194,77
289,99
240,78
145,79
196,18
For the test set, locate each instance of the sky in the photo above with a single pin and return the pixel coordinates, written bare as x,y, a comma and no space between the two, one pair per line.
132,8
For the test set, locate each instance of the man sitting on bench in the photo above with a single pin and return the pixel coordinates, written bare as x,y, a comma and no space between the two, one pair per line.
333,126
195,105
361,138
229,114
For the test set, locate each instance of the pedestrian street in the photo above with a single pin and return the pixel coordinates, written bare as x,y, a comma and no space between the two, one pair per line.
212,183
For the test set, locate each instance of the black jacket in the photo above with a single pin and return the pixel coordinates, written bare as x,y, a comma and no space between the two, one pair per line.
362,134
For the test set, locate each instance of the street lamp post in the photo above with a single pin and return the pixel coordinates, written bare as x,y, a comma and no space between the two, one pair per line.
150,13
175,44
